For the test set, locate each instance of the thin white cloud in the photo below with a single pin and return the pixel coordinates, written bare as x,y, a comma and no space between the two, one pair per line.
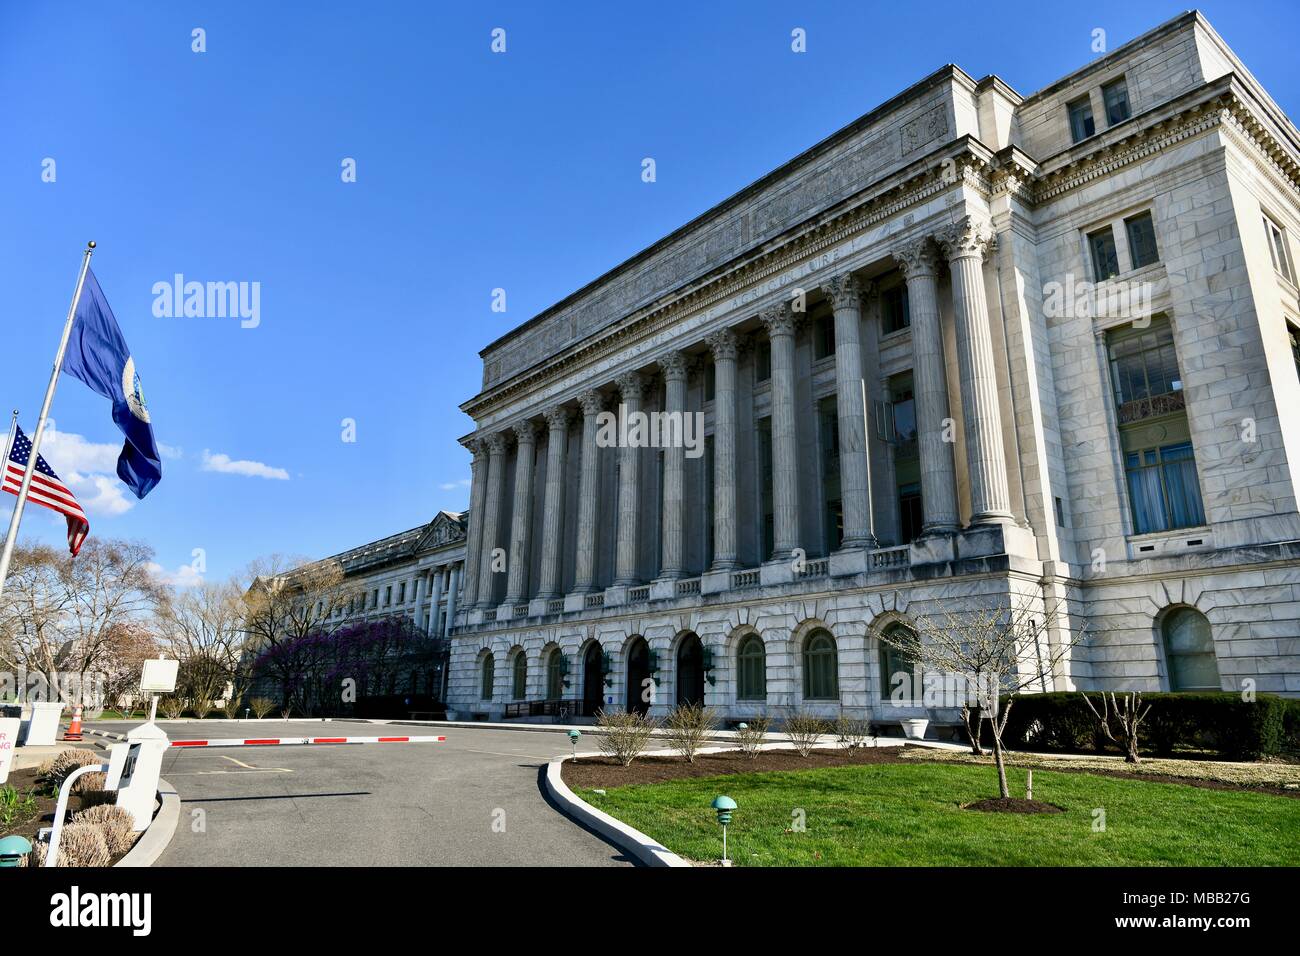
453,485
90,470
99,494
233,466
170,451
183,577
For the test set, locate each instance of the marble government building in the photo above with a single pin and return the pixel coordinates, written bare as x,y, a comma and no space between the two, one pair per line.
976,346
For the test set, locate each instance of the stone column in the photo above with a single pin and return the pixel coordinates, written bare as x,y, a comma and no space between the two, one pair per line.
588,484
522,514
435,598
724,347
630,386
477,492
672,564
964,243
496,481
452,590
850,408
419,604
919,262
557,420
785,444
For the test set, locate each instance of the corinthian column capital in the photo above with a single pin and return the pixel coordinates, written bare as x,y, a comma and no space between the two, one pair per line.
592,402
525,432
968,236
558,417
723,344
845,291
475,445
779,319
496,443
917,258
630,385
674,367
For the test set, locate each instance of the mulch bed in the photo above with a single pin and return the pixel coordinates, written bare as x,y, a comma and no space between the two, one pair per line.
25,780
602,773
1012,805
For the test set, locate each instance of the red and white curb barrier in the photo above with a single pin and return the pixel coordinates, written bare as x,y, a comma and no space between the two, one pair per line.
298,741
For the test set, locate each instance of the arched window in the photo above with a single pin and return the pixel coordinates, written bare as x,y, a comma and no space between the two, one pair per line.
1189,650
519,688
751,669
897,673
820,670
555,675
489,674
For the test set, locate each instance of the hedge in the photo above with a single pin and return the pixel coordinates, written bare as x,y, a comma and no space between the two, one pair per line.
1221,723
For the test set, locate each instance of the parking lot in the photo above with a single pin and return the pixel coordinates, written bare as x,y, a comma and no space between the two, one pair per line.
473,800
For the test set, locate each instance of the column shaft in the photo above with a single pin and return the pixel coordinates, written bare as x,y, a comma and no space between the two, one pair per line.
435,598
557,419
585,554
496,481
934,431
724,347
474,533
452,590
785,444
629,488
965,244
522,515
672,562
850,409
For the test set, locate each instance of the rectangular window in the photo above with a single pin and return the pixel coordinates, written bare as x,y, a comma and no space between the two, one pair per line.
1142,240
710,381
1115,96
1105,258
823,338
1277,247
388,595
1144,373
829,433
910,517
1293,334
1163,488
894,314
1081,124
401,593
763,361
768,529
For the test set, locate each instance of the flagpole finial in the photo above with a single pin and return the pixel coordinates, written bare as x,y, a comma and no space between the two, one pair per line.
91,244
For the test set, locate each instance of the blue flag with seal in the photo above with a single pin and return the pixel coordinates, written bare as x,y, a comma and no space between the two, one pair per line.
97,354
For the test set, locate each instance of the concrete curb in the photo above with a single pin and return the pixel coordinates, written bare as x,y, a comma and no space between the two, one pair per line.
632,842
158,835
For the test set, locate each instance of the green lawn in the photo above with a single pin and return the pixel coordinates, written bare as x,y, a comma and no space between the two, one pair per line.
899,814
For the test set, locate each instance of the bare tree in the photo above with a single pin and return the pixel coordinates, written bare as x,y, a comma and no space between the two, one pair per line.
286,601
204,627
1129,716
993,647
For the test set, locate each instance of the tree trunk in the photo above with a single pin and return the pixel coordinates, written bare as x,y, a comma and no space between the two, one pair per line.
1004,790
971,717
1132,755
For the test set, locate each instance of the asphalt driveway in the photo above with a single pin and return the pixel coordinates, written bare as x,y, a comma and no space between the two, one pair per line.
473,800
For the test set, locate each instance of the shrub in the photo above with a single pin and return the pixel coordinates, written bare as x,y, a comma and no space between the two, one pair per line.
688,726
171,707
261,706
16,807
83,844
750,738
804,730
231,707
1222,723
55,770
625,734
201,707
117,825
852,733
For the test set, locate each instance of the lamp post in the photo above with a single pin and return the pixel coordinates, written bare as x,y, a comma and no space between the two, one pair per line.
573,740
724,806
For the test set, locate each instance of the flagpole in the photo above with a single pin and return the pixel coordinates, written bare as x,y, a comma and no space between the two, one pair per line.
9,445
17,515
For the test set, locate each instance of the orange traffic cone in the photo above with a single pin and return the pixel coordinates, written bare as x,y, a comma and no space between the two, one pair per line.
74,729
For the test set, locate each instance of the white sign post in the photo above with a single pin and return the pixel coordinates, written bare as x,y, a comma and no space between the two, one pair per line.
158,677
8,741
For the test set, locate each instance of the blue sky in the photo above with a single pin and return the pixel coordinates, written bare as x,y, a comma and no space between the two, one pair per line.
475,171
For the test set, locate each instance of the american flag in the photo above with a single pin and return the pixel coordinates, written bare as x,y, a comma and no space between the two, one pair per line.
46,489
